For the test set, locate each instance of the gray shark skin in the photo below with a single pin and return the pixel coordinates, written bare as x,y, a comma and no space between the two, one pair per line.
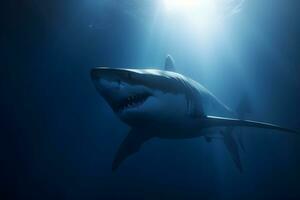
165,104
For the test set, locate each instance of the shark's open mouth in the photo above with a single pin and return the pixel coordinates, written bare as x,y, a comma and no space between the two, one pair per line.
132,102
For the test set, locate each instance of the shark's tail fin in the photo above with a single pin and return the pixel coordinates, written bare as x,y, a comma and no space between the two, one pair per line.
230,123
242,110
233,141
232,147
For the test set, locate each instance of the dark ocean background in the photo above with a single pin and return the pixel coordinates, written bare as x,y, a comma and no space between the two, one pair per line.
59,136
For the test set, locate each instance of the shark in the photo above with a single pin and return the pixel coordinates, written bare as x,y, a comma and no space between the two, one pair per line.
165,104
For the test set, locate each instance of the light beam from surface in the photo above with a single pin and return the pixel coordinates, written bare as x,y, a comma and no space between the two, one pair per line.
190,6
202,17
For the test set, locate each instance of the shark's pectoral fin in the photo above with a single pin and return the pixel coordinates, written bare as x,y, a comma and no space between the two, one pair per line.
232,147
129,146
242,109
212,121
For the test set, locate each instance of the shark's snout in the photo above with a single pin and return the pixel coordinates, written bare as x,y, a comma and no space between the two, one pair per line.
97,73
104,79
124,97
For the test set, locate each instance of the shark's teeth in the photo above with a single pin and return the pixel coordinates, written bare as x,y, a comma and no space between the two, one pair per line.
132,101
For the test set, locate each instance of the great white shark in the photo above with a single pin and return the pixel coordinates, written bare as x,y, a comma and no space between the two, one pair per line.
165,104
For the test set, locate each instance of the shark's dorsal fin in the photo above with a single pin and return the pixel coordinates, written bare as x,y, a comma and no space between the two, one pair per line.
169,63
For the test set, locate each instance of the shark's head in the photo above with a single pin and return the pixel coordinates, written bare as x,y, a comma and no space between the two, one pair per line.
137,96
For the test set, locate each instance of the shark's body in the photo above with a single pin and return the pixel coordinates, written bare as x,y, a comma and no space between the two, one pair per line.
165,104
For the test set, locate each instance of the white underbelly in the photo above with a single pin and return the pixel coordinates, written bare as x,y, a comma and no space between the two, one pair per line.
169,114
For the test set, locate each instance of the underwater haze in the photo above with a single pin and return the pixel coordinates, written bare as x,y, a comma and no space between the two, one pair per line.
59,136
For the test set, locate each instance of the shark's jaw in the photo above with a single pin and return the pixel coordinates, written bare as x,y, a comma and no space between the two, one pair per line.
132,102
125,98
130,95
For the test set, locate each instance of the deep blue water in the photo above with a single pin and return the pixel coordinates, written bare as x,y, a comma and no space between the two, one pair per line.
59,136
